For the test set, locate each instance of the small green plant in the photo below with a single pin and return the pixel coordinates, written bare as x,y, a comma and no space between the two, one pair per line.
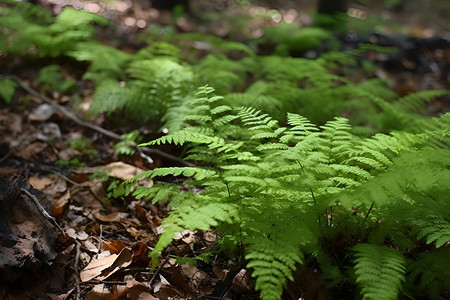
73,162
7,89
292,38
52,79
126,146
83,145
293,196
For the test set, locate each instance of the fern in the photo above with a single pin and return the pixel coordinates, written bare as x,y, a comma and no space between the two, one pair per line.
7,89
379,270
267,176
70,28
431,272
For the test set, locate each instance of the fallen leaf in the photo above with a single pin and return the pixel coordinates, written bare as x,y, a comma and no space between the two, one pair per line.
81,235
102,268
114,246
124,259
99,292
31,150
112,217
10,121
40,182
96,266
177,278
133,290
58,205
121,170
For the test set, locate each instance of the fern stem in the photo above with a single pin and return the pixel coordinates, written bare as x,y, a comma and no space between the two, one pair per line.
311,191
368,213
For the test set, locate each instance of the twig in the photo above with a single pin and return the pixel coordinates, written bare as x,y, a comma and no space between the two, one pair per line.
49,218
99,129
158,270
60,175
77,273
92,281
100,241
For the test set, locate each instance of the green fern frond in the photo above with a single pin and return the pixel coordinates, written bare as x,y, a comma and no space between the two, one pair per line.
379,271
431,269
272,251
155,194
7,89
197,173
223,74
194,212
159,49
109,96
435,230
182,137
216,42
107,63
336,138
416,101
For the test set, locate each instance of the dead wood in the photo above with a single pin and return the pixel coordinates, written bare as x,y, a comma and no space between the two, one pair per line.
27,239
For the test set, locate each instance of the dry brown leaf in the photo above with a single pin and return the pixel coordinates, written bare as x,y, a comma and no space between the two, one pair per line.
121,170
99,292
195,275
57,188
31,150
97,188
96,266
58,205
68,154
112,217
40,182
177,279
10,121
133,290
140,254
163,289
123,260
114,246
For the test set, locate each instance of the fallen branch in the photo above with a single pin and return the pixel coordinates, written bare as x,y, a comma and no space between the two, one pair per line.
142,150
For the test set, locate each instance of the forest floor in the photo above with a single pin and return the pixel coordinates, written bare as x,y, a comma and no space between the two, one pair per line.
97,249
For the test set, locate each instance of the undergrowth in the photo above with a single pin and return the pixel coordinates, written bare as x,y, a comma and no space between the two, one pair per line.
284,179
287,195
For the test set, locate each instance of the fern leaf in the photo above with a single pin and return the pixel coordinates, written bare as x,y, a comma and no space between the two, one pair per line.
416,101
431,271
195,212
435,230
197,173
379,271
